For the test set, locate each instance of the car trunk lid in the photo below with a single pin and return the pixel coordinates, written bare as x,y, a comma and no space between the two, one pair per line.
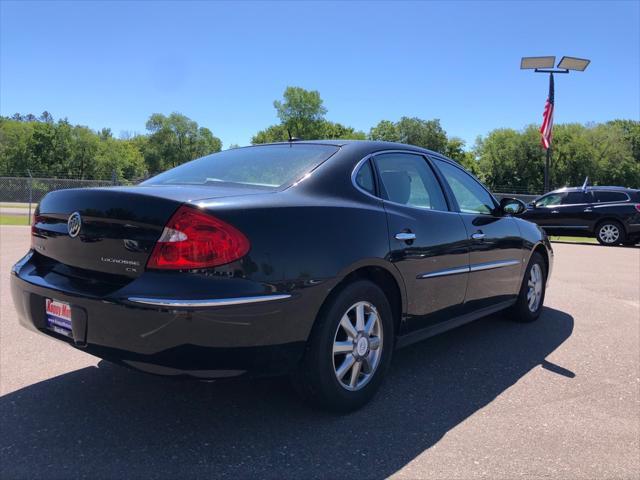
112,230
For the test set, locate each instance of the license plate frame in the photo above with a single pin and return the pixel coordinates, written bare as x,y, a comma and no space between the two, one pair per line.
58,317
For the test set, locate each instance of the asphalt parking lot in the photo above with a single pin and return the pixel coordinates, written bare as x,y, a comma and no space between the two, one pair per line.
559,398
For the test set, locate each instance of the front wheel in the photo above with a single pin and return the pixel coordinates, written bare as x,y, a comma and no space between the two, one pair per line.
610,233
532,291
349,350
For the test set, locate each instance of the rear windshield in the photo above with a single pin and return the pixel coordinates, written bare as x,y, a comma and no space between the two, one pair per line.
266,166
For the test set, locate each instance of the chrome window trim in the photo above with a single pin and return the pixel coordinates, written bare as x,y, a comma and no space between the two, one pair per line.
566,205
212,302
560,205
594,203
355,170
611,204
354,174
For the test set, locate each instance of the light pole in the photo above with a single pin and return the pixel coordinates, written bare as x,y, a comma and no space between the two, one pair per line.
545,65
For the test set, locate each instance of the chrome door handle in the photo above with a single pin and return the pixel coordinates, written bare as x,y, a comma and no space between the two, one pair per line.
478,236
555,211
588,209
405,236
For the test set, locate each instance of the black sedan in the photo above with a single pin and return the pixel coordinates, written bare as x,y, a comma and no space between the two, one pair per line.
315,259
610,214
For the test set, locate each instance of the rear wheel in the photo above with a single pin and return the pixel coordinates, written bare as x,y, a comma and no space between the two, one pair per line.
349,350
610,232
531,297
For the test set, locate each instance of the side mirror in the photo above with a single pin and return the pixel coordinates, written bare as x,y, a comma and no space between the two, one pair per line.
512,206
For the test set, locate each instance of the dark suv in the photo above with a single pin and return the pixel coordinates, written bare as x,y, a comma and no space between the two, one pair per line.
611,214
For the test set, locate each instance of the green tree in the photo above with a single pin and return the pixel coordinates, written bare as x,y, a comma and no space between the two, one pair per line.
176,139
385,131
607,153
613,153
121,157
274,133
331,130
511,160
84,145
414,131
41,148
301,114
455,150
300,111
15,154
630,130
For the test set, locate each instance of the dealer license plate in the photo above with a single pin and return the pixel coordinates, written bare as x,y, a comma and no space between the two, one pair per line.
59,317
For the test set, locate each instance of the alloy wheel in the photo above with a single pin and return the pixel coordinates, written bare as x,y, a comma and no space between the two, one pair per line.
609,233
535,283
357,346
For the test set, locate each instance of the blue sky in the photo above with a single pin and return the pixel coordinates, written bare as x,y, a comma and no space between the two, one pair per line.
111,64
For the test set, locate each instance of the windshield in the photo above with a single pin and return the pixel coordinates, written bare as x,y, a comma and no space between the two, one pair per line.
266,166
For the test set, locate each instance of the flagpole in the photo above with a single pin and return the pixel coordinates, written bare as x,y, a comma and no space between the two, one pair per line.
547,180
547,163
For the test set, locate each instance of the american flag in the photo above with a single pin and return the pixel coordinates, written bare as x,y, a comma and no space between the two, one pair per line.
547,117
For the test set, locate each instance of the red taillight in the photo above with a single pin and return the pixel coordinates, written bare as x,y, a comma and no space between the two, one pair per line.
35,218
192,239
637,205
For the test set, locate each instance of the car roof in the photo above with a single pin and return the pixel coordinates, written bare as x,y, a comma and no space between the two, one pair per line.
372,144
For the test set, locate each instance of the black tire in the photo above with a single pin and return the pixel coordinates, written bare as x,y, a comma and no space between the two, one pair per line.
521,311
316,378
611,226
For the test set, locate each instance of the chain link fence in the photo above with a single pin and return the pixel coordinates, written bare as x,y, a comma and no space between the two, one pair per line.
19,195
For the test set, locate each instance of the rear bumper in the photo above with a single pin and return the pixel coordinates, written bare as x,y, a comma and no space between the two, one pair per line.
265,335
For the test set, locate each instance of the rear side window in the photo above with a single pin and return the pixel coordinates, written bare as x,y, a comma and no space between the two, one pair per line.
408,180
470,194
263,166
364,178
605,196
572,198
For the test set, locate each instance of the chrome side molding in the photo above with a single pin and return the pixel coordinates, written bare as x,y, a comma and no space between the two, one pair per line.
491,265
469,268
442,273
212,302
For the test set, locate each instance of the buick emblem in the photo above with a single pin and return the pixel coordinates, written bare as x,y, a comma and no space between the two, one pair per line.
74,224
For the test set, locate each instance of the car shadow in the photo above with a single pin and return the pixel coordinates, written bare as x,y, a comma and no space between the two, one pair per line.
110,422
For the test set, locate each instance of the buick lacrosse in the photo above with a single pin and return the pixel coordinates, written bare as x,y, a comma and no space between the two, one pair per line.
310,258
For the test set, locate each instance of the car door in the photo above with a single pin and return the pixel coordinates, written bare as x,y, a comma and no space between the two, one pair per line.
427,240
563,212
496,252
543,211
573,213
